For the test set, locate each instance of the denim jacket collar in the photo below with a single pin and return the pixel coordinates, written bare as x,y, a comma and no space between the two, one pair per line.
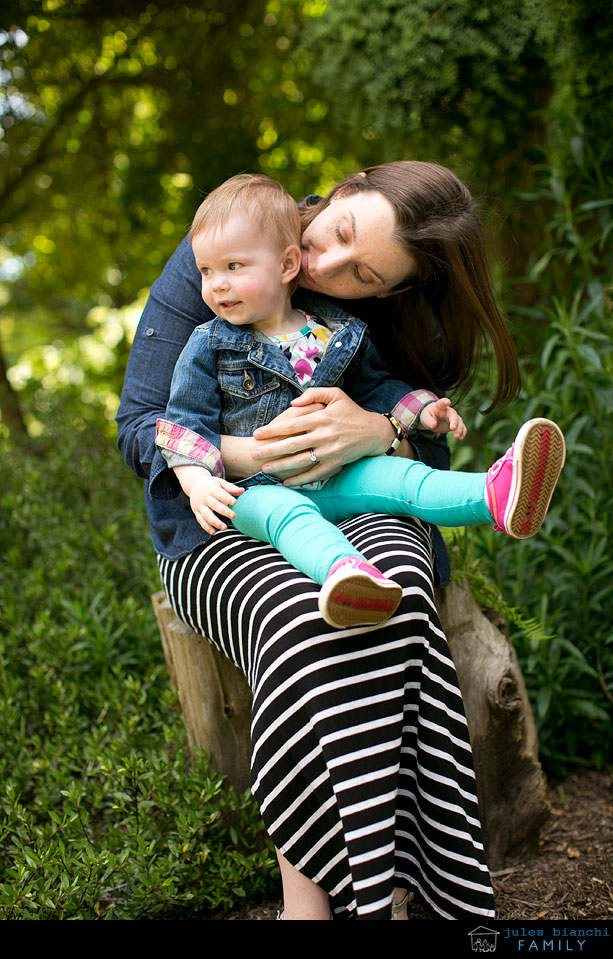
348,333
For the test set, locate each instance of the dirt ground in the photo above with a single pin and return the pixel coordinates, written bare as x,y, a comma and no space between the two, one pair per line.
572,876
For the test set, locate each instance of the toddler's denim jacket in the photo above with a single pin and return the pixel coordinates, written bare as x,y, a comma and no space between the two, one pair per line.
231,379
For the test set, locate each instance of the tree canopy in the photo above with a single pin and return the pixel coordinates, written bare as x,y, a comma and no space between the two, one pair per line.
116,117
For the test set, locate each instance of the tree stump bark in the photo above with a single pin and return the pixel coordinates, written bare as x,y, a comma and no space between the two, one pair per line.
511,785
214,696
216,704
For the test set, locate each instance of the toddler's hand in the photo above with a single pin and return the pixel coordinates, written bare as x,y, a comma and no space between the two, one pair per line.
211,498
440,417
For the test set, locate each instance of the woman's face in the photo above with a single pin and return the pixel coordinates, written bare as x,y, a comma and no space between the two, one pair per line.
349,251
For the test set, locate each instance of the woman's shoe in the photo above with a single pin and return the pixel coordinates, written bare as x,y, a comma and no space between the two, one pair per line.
519,486
357,594
397,907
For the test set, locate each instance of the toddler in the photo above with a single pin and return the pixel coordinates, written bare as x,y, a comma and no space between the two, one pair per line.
243,368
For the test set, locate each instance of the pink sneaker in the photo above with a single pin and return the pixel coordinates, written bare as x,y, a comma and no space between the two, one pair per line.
357,594
519,487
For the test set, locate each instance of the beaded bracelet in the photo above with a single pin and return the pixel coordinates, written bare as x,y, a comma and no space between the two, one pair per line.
400,433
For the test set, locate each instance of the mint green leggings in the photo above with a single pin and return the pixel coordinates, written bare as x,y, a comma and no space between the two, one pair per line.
300,523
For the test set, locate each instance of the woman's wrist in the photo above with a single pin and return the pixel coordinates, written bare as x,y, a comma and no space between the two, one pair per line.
381,432
400,434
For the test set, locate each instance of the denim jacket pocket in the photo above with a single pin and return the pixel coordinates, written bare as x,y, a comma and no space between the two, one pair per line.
250,398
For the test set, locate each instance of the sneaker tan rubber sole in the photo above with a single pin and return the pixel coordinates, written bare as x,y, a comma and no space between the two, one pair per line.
540,454
351,598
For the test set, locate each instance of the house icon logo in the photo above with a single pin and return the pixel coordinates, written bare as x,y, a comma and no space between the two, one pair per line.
483,940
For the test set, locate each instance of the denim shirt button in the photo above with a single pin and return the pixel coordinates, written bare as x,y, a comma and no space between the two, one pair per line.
150,331
338,343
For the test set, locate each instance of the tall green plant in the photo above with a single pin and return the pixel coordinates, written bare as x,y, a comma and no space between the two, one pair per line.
564,575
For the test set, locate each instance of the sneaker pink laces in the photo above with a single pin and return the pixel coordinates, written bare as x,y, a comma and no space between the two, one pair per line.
357,594
519,486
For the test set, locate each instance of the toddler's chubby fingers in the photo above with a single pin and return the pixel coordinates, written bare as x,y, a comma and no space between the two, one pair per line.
230,488
224,497
460,431
438,410
209,520
456,424
434,415
223,506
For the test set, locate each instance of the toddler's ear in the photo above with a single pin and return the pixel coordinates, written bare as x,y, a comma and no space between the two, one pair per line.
290,263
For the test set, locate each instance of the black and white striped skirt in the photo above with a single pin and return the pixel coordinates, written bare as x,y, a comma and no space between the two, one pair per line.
361,764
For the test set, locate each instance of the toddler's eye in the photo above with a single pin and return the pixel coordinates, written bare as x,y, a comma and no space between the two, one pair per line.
206,271
234,265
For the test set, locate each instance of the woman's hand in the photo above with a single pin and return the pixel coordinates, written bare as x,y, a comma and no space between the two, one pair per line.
237,451
322,425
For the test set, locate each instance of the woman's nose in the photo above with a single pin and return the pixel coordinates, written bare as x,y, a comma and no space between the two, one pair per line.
333,260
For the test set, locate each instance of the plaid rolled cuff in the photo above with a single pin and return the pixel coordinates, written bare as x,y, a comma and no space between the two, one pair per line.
179,439
410,406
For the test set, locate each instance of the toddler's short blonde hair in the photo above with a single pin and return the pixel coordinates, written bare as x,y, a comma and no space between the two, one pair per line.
259,199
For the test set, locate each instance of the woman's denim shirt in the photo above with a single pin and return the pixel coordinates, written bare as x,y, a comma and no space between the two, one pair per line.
219,354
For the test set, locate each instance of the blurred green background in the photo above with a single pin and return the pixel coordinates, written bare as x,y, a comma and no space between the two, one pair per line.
116,118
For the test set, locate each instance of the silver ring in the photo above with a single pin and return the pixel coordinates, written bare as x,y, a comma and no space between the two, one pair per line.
313,457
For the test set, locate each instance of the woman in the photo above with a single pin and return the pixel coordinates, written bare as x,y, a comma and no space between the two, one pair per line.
361,758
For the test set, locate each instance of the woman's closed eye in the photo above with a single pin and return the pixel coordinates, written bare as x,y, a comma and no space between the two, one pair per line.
343,233
344,236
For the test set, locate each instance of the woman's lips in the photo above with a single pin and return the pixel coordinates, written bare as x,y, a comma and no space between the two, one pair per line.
305,269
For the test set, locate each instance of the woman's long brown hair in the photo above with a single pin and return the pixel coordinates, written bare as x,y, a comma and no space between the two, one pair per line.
437,331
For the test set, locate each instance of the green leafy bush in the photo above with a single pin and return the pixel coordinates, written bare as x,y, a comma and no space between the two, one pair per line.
563,576
102,816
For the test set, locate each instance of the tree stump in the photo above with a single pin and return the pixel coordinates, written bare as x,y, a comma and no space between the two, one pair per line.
216,704
511,786
214,696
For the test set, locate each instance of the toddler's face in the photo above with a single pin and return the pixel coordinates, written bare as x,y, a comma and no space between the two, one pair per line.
241,274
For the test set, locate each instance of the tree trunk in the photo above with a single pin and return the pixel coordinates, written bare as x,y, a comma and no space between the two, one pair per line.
214,696
9,404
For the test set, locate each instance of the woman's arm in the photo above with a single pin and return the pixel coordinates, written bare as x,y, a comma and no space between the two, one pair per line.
174,308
